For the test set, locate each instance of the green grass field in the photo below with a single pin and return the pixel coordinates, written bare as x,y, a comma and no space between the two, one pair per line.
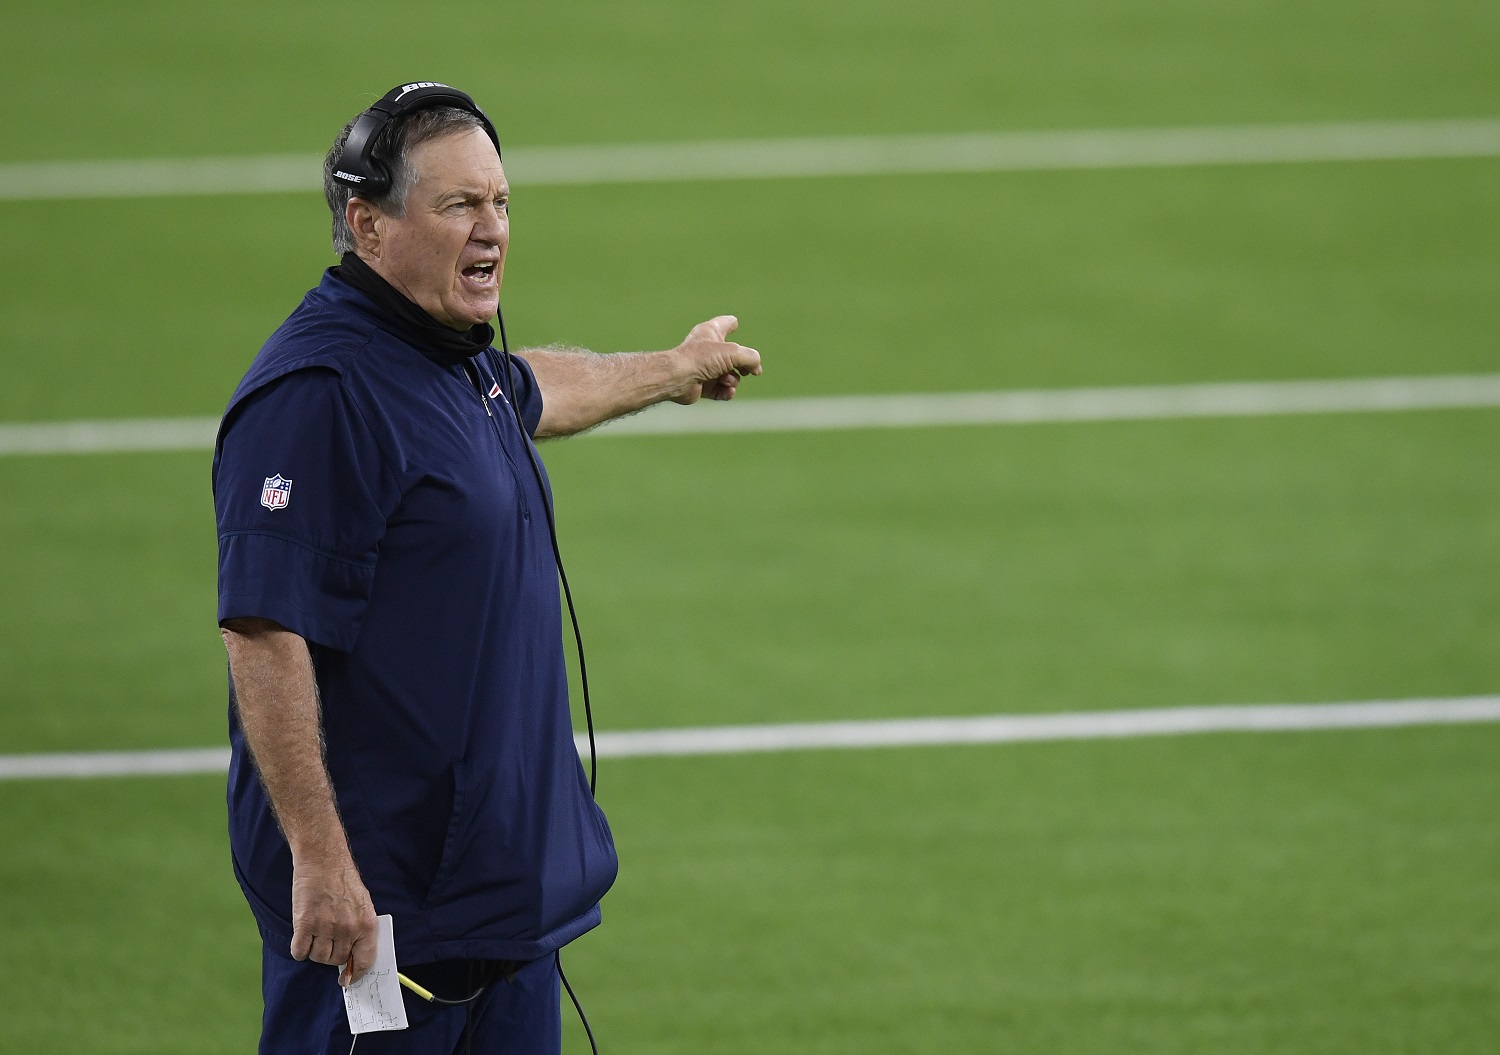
1321,892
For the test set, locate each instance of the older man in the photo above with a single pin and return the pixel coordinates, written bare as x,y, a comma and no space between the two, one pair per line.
387,593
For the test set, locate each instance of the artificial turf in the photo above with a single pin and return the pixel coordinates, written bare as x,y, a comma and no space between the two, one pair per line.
859,285
1304,892
942,571
1315,892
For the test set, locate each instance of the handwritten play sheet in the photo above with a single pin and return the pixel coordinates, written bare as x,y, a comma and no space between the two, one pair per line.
374,1002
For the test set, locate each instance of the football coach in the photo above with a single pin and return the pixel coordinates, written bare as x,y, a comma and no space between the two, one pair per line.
399,723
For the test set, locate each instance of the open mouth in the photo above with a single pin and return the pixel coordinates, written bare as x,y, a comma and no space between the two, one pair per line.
481,272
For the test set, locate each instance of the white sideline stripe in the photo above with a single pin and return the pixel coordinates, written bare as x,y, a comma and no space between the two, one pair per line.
115,763
1036,406
901,732
1024,407
1048,150
109,437
1085,725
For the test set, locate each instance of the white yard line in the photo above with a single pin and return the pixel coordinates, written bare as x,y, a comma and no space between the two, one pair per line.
1081,725
901,732
1050,150
109,437
1023,407
1038,406
115,763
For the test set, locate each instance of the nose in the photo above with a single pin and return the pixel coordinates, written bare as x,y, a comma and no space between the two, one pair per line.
492,225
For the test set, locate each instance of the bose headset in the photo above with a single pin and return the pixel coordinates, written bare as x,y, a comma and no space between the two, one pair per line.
358,168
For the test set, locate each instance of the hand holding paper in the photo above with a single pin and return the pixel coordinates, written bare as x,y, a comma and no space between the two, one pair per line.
374,1002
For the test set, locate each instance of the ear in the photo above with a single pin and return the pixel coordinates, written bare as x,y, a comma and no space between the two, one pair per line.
363,220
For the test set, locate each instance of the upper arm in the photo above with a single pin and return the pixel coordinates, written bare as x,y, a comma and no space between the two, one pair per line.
530,393
250,626
301,496
264,651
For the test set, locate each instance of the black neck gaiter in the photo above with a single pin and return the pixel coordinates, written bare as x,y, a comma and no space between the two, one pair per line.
408,321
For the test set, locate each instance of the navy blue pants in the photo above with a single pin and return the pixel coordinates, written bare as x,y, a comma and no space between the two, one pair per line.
304,1012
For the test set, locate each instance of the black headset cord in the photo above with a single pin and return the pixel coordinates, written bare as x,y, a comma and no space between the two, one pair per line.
562,574
576,1005
583,670
489,976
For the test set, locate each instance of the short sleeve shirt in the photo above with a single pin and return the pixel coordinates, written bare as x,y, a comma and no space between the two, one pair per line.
384,505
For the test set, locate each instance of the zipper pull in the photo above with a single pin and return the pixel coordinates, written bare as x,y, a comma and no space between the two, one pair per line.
472,373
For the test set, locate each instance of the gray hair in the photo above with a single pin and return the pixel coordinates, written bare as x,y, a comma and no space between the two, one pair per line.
392,147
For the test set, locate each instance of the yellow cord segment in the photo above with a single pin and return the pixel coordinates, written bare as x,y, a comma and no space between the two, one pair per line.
414,987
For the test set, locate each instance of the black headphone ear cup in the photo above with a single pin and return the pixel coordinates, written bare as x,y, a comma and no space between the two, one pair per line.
379,181
356,167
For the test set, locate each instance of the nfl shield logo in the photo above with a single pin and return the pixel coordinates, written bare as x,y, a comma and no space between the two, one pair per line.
276,493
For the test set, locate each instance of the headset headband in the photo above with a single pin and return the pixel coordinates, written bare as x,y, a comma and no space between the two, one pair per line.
357,168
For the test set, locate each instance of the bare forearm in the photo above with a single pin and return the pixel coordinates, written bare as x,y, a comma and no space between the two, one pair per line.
582,389
278,710
333,918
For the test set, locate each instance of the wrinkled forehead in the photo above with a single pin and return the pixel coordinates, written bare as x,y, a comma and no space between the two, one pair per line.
463,162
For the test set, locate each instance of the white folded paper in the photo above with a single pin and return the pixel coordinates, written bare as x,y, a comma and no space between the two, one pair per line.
374,1002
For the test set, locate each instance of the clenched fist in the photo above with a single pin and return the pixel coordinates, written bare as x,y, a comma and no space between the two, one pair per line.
333,919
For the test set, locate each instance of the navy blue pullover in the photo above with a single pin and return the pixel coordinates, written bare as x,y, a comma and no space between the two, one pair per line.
374,500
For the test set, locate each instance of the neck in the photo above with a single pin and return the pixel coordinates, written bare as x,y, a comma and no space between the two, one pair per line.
394,281
404,317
